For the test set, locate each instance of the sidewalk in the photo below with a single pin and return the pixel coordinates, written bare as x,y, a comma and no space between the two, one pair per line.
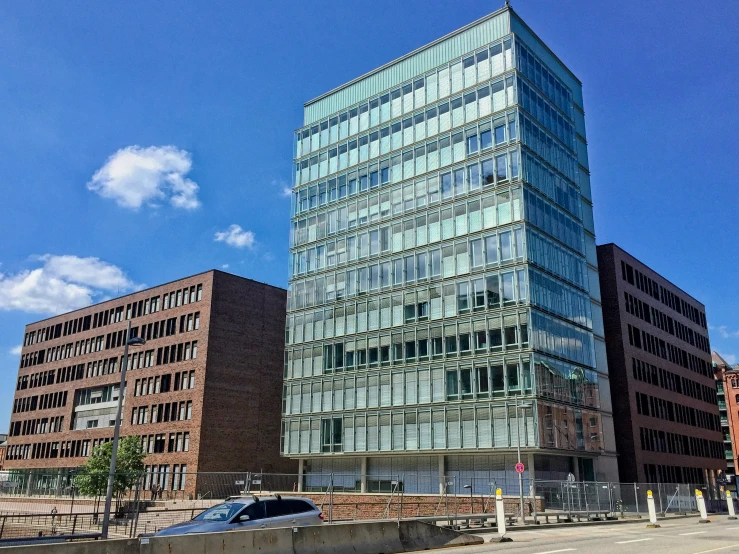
531,527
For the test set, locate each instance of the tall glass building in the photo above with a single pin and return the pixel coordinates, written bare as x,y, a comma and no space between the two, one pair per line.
444,300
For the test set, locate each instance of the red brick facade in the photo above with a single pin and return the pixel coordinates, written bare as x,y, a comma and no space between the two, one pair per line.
727,377
211,369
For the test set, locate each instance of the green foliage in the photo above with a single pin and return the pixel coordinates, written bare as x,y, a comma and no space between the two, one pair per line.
93,479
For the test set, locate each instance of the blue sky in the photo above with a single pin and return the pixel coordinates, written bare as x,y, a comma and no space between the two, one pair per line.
99,102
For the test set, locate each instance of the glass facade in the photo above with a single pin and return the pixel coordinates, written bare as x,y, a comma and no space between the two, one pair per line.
439,275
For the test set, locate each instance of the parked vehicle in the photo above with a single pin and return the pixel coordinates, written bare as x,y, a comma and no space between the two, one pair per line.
250,513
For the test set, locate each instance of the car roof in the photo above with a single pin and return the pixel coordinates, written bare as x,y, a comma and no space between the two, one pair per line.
250,499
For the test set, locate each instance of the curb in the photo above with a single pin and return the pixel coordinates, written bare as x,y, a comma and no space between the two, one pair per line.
530,527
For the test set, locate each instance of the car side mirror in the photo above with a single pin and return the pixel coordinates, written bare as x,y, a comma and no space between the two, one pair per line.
244,518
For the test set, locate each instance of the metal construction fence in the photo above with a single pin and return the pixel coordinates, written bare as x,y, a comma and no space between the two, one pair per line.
52,504
626,498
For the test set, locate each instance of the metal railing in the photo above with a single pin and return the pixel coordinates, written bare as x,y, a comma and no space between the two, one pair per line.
38,504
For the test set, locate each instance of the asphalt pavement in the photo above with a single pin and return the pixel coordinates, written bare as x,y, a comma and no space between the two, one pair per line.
680,536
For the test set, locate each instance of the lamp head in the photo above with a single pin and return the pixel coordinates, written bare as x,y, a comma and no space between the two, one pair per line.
136,341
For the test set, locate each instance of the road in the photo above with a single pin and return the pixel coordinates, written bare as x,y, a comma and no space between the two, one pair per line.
682,536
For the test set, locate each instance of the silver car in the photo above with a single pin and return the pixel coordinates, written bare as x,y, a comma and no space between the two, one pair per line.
251,513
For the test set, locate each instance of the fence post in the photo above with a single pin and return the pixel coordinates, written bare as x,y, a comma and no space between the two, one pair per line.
400,511
3,527
659,493
331,500
636,498
74,523
610,497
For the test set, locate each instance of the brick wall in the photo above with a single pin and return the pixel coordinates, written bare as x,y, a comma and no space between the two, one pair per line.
240,427
198,365
374,506
627,421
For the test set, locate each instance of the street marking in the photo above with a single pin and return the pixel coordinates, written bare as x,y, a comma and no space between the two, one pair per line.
693,533
717,549
553,551
633,540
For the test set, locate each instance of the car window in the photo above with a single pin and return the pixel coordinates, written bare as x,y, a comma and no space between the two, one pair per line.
254,511
277,508
222,512
298,506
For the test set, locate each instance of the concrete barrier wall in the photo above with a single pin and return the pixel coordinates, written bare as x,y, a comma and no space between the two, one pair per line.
264,541
113,546
359,538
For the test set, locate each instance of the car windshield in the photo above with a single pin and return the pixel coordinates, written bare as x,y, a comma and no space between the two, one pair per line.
222,512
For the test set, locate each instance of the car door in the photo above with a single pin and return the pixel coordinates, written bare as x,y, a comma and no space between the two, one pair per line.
257,517
279,513
304,513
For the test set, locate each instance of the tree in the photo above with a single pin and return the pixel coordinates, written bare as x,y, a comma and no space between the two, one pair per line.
93,478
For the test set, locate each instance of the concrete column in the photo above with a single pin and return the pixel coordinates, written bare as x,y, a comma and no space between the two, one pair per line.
442,475
363,486
301,462
576,468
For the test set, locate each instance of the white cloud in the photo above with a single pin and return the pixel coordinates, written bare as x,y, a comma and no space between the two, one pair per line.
225,266
724,332
285,190
61,284
16,350
236,236
730,358
135,175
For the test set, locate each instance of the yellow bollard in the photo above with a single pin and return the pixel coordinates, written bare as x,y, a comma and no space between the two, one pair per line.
730,504
701,507
652,511
500,518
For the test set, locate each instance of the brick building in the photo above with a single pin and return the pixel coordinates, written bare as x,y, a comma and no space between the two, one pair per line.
727,386
664,396
3,449
204,392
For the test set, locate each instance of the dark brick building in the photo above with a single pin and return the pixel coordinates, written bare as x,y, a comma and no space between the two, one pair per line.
204,393
659,358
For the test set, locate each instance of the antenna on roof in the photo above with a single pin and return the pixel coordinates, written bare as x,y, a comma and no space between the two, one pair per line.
507,4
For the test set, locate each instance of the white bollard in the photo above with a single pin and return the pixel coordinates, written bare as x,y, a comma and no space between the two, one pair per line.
730,504
500,518
652,511
701,507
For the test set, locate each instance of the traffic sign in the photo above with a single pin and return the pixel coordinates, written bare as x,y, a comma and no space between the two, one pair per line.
519,467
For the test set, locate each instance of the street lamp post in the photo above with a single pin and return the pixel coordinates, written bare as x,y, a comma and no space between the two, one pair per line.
470,487
130,341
